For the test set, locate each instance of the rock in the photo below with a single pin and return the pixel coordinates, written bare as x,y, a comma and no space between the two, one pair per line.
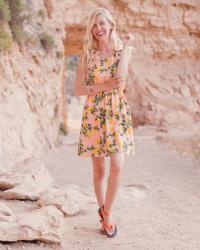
43,224
163,82
4,210
32,105
27,181
192,20
69,200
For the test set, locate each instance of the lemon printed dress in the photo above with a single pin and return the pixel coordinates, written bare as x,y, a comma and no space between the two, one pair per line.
106,125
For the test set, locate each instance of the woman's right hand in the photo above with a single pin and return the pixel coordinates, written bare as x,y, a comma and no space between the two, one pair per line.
117,81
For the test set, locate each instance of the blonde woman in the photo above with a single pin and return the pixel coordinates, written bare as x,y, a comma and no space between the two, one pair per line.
106,127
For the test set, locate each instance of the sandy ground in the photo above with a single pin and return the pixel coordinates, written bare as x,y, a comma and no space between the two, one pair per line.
157,207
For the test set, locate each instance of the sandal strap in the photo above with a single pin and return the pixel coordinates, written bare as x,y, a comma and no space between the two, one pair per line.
100,211
108,225
105,212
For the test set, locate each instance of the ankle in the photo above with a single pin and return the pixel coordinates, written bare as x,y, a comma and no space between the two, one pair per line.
105,212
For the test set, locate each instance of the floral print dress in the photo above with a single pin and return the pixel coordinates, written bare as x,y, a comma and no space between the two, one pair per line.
106,125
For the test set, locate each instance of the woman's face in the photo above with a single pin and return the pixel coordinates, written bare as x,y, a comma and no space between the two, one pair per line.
101,28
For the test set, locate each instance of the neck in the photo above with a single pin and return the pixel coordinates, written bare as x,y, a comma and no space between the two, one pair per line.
104,46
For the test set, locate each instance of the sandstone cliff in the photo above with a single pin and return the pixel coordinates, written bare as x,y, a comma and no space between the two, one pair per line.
163,82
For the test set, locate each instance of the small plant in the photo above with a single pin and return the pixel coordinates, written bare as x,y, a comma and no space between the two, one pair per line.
5,40
47,41
17,6
63,128
17,19
59,54
41,14
18,33
5,15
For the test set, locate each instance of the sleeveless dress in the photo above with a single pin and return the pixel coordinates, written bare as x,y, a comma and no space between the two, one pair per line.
106,125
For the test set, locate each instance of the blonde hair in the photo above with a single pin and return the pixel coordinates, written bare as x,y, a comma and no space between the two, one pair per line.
89,41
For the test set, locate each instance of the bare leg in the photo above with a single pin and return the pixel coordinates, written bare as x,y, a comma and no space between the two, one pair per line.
116,164
98,178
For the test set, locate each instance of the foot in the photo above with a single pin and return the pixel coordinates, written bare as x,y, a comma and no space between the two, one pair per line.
109,227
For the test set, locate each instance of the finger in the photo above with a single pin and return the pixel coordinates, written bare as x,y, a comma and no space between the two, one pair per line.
120,79
116,76
117,80
122,82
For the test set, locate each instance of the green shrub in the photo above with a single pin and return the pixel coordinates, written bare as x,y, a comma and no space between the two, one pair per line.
47,41
17,6
5,15
59,54
18,32
17,19
63,129
5,40
41,14
16,13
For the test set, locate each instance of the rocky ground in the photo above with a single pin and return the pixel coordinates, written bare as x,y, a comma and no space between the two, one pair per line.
157,206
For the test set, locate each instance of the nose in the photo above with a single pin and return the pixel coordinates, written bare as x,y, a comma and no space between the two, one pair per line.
98,27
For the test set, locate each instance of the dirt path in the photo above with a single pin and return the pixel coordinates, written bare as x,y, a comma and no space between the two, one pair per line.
157,207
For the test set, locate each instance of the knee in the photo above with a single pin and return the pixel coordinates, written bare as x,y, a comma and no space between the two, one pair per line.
115,169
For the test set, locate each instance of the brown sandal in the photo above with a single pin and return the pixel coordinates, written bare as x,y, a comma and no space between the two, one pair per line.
100,212
101,218
108,226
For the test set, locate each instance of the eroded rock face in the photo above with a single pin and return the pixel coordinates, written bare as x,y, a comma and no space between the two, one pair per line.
30,93
25,182
41,220
44,224
69,199
164,73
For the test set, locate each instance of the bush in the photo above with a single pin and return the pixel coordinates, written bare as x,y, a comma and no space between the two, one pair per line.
5,15
59,54
17,6
18,33
17,19
63,129
5,40
41,14
18,15
47,41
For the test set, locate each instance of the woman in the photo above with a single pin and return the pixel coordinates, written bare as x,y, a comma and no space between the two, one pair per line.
106,127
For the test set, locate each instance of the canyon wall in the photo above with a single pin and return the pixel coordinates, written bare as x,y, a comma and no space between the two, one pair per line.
163,84
164,72
30,89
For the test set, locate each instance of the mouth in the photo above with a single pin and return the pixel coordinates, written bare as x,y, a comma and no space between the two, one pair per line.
100,34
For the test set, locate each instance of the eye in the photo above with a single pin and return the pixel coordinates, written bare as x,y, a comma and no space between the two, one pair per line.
94,25
102,23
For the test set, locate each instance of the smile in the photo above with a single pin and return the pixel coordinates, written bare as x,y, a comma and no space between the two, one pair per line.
100,33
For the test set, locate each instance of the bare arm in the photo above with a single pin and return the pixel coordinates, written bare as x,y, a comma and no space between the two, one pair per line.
80,88
122,69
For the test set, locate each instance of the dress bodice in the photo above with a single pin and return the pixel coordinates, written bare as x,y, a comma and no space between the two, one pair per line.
101,68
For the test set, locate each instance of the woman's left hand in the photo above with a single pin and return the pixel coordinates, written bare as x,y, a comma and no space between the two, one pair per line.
128,39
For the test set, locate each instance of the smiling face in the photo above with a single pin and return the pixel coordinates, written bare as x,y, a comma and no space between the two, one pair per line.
101,28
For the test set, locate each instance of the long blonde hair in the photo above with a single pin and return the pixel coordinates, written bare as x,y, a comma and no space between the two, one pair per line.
89,41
